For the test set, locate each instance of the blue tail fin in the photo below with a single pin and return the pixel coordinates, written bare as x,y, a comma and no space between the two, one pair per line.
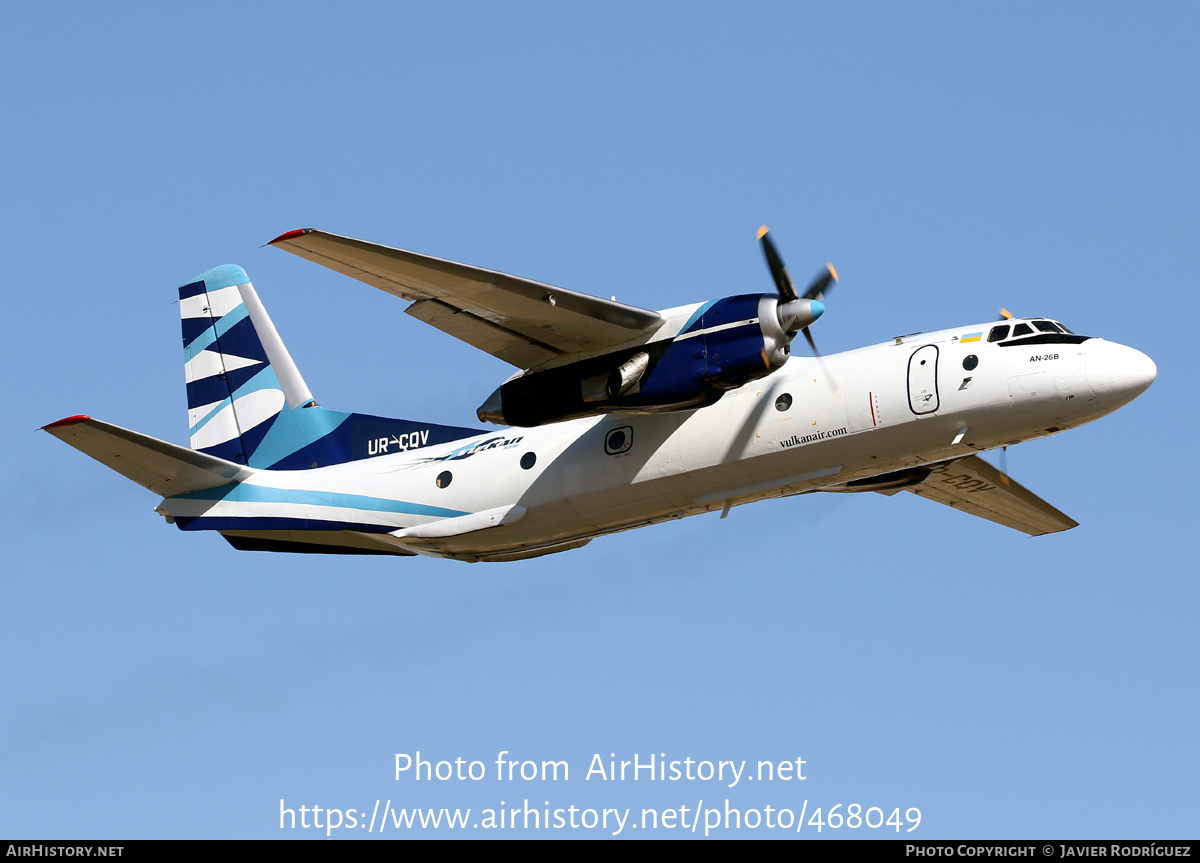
247,401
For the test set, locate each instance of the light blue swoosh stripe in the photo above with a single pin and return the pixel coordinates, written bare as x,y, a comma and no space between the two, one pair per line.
243,493
221,327
696,315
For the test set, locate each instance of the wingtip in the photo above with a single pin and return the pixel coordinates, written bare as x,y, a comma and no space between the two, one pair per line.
299,232
67,421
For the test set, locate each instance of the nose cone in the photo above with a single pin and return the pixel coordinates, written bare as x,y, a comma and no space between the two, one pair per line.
1117,374
800,313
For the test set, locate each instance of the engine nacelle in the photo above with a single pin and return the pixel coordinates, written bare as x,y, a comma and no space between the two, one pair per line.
727,343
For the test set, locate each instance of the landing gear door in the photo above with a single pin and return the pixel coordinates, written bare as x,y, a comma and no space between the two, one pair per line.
922,380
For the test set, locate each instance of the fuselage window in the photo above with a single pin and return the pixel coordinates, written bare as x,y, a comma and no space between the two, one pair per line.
998,333
1022,330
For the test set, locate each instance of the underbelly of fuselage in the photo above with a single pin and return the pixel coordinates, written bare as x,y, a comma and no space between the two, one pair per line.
597,502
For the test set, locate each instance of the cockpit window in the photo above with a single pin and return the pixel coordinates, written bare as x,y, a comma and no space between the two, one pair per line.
1023,335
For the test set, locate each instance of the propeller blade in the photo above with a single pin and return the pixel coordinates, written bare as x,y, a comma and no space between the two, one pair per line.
822,283
811,343
783,282
833,387
1005,315
796,312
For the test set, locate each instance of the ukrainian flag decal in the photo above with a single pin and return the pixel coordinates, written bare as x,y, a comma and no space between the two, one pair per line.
971,337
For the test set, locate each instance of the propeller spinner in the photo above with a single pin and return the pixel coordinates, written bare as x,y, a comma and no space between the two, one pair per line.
796,312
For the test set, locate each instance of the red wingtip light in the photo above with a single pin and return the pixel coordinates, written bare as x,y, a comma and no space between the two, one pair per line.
299,232
69,421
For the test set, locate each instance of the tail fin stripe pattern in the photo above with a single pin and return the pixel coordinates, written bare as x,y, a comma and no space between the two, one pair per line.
208,363
213,304
207,337
246,400
248,403
195,415
240,338
251,412
218,386
197,328
229,391
191,289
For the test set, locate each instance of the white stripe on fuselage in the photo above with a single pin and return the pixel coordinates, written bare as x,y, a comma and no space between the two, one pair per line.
716,329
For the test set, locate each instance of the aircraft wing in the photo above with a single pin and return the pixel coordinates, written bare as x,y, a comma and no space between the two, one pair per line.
521,321
975,487
162,467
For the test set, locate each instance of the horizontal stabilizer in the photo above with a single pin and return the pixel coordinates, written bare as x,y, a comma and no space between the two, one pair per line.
975,487
165,468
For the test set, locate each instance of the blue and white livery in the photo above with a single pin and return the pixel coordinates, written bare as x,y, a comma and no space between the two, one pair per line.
618,417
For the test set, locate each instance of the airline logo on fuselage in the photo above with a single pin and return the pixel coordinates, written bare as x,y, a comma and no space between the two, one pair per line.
483,445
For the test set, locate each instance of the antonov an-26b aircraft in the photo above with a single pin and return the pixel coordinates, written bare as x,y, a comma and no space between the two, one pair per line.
618,417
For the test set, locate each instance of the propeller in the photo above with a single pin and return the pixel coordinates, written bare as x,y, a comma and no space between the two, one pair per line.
797,312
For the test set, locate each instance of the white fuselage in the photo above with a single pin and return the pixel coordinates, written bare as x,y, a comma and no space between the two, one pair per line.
815,424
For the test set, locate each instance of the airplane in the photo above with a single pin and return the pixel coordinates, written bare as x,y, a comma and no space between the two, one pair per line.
617,417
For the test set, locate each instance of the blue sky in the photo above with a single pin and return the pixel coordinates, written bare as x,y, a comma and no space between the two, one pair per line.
950,159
